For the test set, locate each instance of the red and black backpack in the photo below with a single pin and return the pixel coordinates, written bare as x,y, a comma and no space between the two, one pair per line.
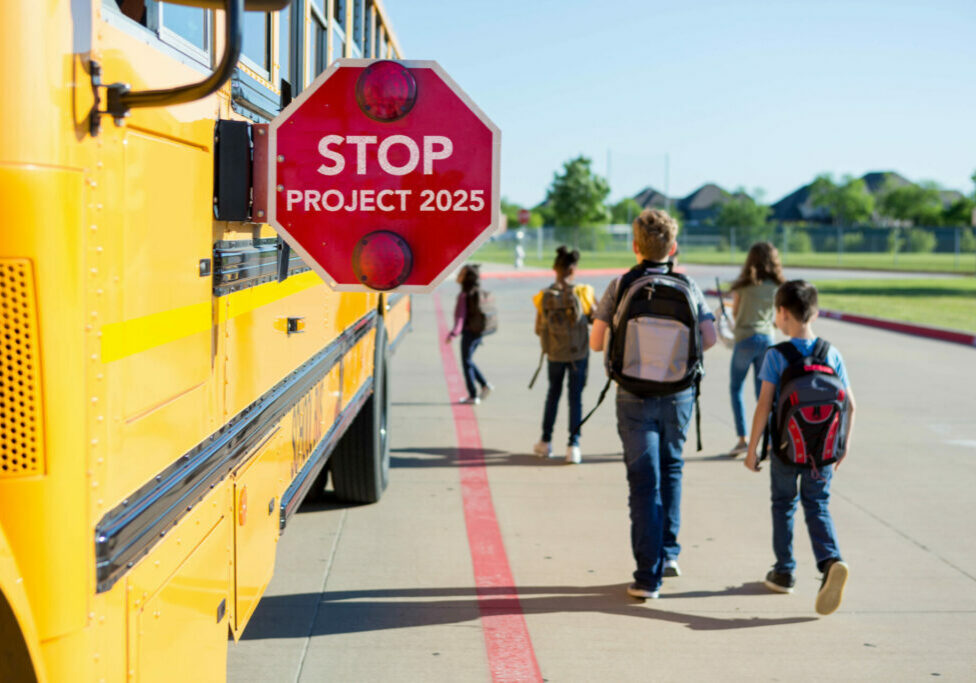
811,414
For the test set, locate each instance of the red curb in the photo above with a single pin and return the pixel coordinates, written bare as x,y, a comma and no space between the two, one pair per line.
511,656
937,333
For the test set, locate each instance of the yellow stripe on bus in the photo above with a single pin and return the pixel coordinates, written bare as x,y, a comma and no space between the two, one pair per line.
136,335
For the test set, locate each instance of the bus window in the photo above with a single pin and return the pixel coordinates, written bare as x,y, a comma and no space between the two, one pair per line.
257,43
368,32
320,55
338,29
188,23
284,45
134,9
357,28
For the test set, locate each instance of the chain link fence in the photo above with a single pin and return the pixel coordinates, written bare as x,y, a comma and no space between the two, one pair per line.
937,249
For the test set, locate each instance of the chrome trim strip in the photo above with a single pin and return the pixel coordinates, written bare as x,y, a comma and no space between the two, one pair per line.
128,532
239,266
293,496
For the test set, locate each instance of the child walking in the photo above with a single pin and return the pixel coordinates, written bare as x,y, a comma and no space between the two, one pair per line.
563,312
796,309
652,428
752,309
466,325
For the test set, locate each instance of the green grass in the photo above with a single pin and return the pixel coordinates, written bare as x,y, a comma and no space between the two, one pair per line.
942,302
945,302
936,263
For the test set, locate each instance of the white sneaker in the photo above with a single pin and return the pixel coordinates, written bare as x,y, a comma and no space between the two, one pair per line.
671,568
573,455
486,391
642,592
470,400
543,449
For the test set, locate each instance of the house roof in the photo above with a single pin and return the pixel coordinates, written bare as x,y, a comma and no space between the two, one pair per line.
649,198
705,197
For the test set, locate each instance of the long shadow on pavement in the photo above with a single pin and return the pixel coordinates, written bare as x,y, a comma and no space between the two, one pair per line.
437,456
363,611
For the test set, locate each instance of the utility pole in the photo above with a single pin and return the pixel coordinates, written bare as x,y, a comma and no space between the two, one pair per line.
667,182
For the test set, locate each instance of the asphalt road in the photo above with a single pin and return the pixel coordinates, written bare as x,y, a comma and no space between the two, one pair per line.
397,591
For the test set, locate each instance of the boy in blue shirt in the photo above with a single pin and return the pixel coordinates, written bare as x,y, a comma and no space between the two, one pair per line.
796,309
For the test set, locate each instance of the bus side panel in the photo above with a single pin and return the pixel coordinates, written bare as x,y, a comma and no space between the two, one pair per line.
181,631
48,537
176,593
260,351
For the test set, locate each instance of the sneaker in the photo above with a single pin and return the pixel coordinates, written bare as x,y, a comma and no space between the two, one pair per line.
779,582
543,449
671,568
573,455
832,587
470,400
642,592
486,391
738,449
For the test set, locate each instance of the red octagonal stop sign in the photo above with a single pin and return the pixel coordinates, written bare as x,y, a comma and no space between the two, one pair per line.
383,175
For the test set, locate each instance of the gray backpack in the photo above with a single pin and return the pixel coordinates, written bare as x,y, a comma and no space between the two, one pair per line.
653,345
563,332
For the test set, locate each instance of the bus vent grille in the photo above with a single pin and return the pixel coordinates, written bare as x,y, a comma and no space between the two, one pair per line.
21,451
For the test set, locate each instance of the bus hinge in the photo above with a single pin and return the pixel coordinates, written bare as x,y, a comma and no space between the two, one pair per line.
113,100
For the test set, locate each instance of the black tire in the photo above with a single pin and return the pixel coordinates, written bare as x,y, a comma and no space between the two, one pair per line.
360,464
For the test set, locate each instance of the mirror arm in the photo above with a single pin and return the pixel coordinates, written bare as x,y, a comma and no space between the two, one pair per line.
120,100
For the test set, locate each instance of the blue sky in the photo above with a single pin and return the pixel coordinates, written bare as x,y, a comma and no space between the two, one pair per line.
741,93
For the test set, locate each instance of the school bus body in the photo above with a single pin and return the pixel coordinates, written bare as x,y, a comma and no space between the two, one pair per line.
166,402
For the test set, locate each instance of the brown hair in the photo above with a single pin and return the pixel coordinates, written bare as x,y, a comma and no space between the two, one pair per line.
799,297
565,259
762,263
655,231
470,278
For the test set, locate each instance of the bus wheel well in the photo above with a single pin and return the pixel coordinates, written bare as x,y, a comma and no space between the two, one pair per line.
15,659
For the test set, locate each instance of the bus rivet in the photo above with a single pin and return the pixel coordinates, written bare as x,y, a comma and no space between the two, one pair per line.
281,188
281,158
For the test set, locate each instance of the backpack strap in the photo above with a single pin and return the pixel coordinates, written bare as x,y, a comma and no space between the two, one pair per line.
535,375
790,352
820,349
603,395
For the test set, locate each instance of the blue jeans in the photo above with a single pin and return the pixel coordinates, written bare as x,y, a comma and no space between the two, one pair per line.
577,380
470,342
815,496
748,352
653,431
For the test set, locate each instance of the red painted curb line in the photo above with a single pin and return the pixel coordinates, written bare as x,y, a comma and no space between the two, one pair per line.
953,336
511,656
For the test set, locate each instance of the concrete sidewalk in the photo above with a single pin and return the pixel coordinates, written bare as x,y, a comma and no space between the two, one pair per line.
386,592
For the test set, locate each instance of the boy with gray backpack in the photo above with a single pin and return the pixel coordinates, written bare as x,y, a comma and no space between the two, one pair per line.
653,326
563,313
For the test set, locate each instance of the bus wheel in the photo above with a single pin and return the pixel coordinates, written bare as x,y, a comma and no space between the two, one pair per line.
360,464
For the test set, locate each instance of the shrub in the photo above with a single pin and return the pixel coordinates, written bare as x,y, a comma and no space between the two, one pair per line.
853,241
921,241
967,241
799,242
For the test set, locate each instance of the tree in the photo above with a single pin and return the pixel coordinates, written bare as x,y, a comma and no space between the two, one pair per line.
511,212
576,199
912,204
746,216
625,211
960,212
848,203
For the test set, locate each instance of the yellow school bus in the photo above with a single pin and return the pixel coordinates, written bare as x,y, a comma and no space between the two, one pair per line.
173,381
